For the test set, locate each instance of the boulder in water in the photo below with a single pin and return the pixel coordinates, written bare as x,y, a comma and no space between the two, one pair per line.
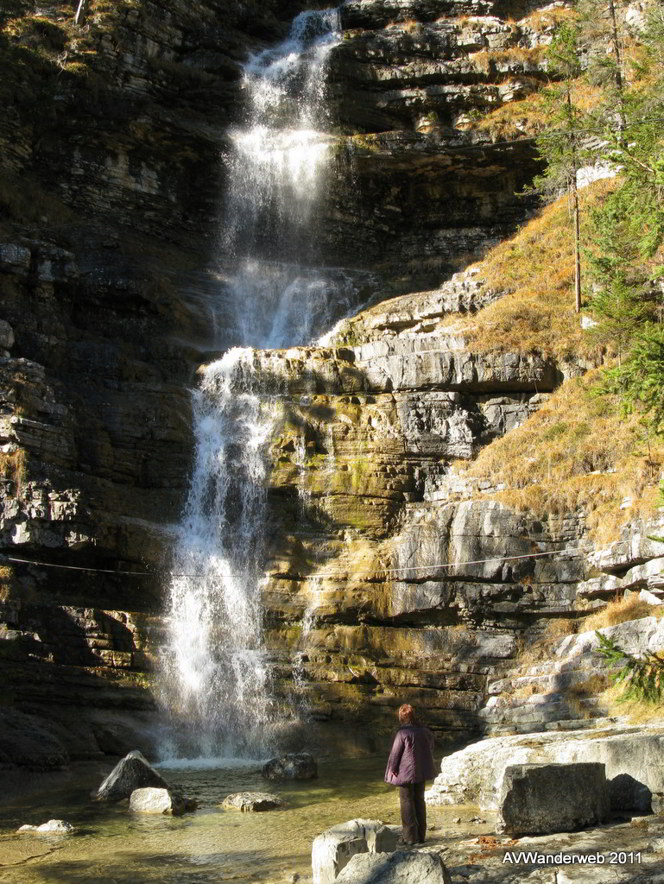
252,801
292,766
150,799
132,773
52,827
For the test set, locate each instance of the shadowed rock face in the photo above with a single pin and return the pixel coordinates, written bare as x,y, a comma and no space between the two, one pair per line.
110,140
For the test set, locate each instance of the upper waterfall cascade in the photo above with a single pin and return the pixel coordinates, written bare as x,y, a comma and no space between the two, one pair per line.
216,675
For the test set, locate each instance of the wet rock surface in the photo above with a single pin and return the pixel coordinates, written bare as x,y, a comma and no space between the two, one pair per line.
291,766
52,827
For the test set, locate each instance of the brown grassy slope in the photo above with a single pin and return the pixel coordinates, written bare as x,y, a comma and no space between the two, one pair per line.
535,268
580,450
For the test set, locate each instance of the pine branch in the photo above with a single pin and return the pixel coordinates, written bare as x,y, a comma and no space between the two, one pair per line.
642,678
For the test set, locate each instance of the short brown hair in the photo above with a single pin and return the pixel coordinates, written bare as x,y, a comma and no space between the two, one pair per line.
406,714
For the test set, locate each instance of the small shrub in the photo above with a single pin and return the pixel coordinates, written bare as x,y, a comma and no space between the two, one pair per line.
13,467
641,678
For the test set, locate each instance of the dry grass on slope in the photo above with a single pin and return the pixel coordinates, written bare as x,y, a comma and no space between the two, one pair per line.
536,270
621,610
577,452
528,116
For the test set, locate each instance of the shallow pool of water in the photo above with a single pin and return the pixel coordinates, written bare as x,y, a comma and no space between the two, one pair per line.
211,845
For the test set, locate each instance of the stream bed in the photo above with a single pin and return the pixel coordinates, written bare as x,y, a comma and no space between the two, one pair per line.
210,845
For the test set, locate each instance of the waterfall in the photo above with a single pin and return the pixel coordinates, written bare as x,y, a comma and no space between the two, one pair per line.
216,674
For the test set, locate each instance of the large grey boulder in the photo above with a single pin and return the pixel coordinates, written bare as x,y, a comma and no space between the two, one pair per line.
292,766
150,799
631,755
333,849
404,867
131,773
537,799
253,802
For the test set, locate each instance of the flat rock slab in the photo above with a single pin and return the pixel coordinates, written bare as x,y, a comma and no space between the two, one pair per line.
537,799
131,773
292,766
155,800
632,757
252,802
334,848
403,867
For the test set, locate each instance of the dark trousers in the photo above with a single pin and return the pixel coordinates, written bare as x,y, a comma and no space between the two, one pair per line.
413,812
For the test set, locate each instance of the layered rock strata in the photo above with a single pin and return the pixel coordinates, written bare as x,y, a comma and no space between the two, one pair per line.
387,579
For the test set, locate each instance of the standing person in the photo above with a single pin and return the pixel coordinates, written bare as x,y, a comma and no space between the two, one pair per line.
409,765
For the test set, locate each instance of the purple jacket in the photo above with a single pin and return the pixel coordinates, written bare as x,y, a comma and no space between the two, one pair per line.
411,759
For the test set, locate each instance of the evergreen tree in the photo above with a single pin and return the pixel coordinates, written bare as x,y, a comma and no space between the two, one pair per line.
621,301
639,379
628,232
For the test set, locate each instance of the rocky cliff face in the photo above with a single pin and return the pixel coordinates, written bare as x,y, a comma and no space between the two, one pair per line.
399,581
111,281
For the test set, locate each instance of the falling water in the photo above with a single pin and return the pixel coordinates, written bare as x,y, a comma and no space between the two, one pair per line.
216,671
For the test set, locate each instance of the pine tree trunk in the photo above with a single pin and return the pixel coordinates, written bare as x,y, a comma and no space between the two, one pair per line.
577,247
618,75
574,193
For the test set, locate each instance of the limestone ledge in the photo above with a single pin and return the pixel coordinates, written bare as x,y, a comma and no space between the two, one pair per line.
379,368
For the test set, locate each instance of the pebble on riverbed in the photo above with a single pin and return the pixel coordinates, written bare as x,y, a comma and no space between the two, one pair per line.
52,827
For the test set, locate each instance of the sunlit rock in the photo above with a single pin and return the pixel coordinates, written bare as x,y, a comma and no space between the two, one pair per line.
403,867
52,827
537,799
151,799
333,849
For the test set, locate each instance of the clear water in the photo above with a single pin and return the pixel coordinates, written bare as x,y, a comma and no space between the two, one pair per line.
211,845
